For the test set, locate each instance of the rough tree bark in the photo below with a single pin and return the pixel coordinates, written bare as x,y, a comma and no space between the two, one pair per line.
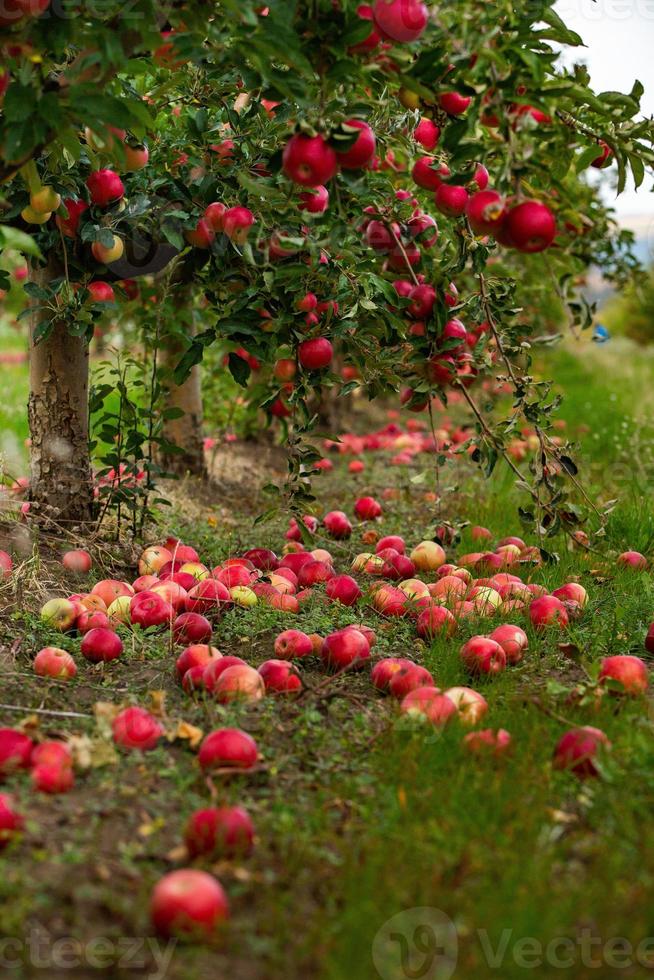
61,486
186,431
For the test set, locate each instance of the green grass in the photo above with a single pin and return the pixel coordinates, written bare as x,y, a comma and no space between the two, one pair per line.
360,818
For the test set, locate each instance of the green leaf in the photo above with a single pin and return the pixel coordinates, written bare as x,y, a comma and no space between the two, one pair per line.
239,369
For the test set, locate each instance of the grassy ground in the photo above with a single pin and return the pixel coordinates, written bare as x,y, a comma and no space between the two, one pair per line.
381,851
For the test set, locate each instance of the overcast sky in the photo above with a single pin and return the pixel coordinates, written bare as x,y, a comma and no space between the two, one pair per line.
619,38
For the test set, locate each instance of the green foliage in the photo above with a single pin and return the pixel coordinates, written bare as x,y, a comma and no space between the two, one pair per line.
631,312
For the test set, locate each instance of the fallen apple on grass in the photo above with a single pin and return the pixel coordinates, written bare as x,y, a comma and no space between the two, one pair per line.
481,655
488,742
188,904
280,677
345,649
513,640
384,670
198,654
429,702
60,614
148,609
219,832
407,678
56,663
239,683
624,674
228,748
633,560
293,644
77,561
136,728
470,704
15,751
547,611
191,628
101,645
11,821
6,564
580,751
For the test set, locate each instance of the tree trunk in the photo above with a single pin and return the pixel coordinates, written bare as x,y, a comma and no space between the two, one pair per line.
61,486
185,431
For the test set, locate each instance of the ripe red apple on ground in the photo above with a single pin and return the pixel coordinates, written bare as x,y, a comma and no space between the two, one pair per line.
293,643
191,628
407,678
428,556
481,655
214,668
343,589
148,609
470,704
136,728
546,611
77,561
228,747
15,751
11,821
513,641
580,751
337,524
632,559
198,654
313,572
434,621
111,589
54,662
60,614
572,592
624,674
488,742
239,683
52,768
345,649
153,560
367,509
280,677
428,702
211,595
384,671
219,832
188,904
6,564
100,645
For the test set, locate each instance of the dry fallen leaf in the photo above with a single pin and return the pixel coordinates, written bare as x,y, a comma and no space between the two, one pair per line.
92,753
157,704
186,732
